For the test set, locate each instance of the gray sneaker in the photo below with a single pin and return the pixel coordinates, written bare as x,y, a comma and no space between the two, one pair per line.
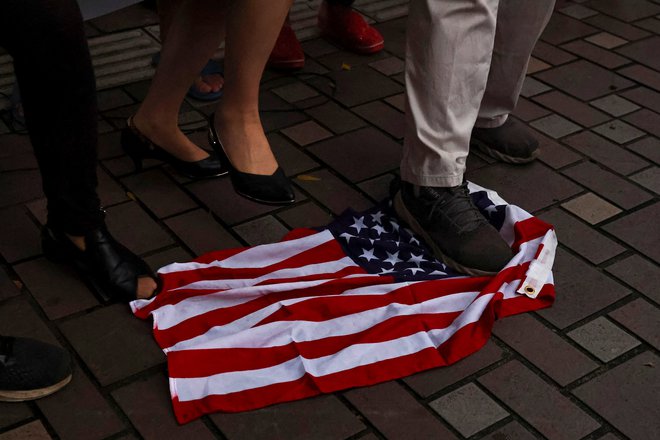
453,227
511,142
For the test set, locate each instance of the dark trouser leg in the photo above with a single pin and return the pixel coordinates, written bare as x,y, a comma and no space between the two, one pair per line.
54,72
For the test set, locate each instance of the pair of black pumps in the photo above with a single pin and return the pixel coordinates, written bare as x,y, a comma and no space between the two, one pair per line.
275,189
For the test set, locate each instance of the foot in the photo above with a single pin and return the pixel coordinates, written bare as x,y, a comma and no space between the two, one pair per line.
348,28
453,227
208,84
30,369
114,271
511,142
287,54
169,137
245,143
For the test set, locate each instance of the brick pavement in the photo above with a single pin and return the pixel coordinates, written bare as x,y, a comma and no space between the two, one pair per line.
586,368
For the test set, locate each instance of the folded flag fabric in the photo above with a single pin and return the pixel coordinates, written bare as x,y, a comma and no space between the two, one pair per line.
358,302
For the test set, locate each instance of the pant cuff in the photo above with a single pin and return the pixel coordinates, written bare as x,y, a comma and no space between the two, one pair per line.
437,181
495,122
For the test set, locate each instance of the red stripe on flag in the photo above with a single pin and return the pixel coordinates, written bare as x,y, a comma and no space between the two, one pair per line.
464,342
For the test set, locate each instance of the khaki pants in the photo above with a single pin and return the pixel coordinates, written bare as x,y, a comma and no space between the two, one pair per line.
465,65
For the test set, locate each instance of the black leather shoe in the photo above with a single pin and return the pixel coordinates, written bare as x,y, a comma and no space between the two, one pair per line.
139,147
112,269
275,189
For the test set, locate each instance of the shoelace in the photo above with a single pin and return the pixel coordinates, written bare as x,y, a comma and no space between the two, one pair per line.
457,208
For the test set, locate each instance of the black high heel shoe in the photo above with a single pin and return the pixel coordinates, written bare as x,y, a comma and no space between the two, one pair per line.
138,147
106,264
275,189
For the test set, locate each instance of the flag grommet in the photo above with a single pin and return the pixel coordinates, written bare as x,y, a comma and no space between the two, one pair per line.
530,290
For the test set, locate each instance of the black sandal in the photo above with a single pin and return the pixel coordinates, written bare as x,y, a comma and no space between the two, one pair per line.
110,268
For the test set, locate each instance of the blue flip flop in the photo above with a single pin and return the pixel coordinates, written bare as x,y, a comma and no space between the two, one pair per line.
211,67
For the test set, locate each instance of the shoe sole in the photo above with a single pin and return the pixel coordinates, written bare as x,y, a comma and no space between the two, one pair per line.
482,146
21,396
405,215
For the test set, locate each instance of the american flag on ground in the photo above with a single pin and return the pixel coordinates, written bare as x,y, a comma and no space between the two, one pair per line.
358,302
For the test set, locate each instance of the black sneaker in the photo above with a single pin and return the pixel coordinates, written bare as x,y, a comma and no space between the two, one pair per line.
453,227
30,369
511,142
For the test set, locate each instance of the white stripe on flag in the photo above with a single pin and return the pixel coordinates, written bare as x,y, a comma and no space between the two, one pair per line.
278,333
259,256
351,357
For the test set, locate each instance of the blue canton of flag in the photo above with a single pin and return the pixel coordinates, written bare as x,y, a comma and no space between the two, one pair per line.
377,242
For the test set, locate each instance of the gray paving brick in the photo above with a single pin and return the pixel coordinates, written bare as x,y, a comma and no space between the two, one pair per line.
148,405
432,381
584,240
633,382
201,232
506,180
641,318
306,133
639,230
612,156
606,40
591,208
113,343
534,341
321,417
468,409
58,288
333,193
640,273
614,105
603,339
335,117
584,80
306,215
34,431
538,403
608,185
359,155
295,92
618,131
261,231
79,410
649,178
378,402
581,291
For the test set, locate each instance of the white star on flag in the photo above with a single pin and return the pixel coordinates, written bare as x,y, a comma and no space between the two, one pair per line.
379,229
384,271
359,224
414,240
417,259
491,209
395,226
347,237
368,255
414,270
437,272
377,216
393,258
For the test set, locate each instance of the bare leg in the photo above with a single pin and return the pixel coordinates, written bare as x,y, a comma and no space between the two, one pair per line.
166,11
195,32
237,118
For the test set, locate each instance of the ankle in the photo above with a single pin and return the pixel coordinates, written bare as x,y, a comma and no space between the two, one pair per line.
78,241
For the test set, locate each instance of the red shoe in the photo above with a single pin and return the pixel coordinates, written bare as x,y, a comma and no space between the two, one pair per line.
287,53
347,28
